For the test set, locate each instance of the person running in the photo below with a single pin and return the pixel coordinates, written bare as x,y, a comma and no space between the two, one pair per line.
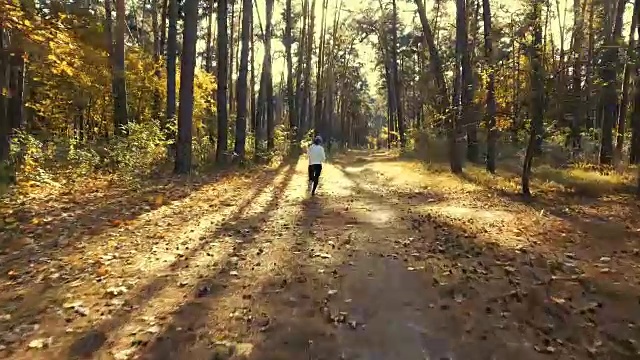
316,157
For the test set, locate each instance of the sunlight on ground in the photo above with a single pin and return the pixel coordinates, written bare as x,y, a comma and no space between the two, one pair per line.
470,213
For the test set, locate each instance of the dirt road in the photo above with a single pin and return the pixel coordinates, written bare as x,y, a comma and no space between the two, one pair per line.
386,262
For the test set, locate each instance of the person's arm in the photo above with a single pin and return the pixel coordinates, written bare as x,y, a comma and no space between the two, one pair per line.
323,155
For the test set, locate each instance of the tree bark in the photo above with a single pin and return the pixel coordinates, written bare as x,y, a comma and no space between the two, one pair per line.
232,21
537,96
610,91
436,61
172,53
305,111
221,94
317,115
629,68
241,118
460,89
576,123
5,125
208,56
187,72
635,116
288,41
397,81
299,73
120,100
490,101
269,79
471,124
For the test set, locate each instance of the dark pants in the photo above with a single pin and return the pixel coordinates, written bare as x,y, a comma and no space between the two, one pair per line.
314,175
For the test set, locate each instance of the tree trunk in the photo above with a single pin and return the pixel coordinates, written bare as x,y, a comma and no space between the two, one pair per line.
397,81
231,53
221,94
15,101
252,83
629,68
241,118
576,123
157,106
172,53
471,124
307,69
436,62
187,72
120,100
317,115
5,124
208,56
269,79
634,157
460,89
610,91
163,26
490,114
299,73
537,96
288,41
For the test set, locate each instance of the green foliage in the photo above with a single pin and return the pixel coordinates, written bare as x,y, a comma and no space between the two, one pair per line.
140,152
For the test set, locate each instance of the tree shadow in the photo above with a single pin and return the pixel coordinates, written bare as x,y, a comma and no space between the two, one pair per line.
30,296
92,341
179,336
72,219
494,296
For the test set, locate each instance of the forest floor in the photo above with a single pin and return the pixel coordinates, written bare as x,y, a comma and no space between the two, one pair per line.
394,259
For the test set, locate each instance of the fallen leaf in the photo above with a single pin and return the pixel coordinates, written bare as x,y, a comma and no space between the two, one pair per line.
40,343
154,329
102,271
124,354
71,305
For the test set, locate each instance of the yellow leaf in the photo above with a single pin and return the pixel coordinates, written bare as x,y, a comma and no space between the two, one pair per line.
159,200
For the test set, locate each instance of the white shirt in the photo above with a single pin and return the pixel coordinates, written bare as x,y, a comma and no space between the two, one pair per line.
316,154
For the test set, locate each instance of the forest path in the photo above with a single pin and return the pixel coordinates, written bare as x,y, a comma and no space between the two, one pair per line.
389,261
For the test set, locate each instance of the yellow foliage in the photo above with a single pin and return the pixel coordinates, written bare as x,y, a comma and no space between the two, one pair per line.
69,73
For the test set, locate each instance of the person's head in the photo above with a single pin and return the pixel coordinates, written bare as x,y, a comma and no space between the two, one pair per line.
317,140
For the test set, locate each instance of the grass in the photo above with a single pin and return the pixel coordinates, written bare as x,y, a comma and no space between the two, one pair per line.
549,176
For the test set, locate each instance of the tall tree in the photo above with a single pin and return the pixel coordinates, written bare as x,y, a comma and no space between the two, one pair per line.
490,101
5,126
172,53
396,76
288,42
635,116
241,118
609,100
436,63
221,94
578,12
460,89
629,68
537,94
231,43
269,77
120,100
306,81
187,72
